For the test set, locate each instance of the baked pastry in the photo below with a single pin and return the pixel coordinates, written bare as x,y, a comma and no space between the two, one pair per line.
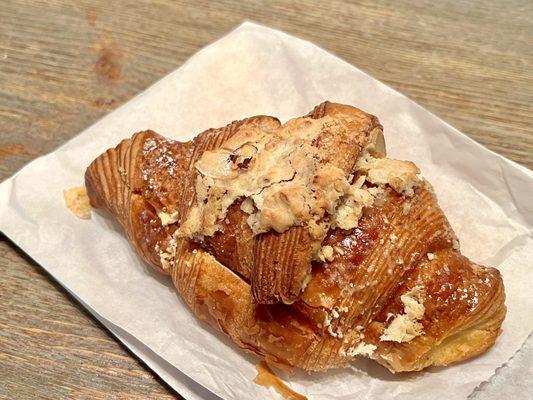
303,242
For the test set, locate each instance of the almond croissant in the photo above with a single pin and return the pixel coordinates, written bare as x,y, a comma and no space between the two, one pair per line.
302,242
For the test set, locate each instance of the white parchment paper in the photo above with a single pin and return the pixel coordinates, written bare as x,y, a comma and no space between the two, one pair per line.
256,70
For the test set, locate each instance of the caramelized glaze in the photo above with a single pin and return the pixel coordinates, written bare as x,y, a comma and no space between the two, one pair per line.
267,378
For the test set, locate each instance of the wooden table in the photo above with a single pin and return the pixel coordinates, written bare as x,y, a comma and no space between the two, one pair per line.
63,65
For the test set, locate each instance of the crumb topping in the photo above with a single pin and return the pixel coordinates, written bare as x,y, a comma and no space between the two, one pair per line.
350,209
329,318
362,349
285,180
167,218
405,327
402,176
281,176
326,253
167,255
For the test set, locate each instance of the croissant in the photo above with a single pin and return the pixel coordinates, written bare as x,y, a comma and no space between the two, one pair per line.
303,242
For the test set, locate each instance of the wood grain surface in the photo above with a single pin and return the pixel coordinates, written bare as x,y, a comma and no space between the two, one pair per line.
65,64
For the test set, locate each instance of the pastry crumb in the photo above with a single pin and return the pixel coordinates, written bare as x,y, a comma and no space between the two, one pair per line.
362,349
326,253
167,218
167,256
340,251
455,244
78,202
327,324
405,327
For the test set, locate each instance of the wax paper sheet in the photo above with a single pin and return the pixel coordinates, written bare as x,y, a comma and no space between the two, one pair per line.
256,70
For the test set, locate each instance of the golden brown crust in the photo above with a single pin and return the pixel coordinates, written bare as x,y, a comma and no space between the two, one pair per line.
400,263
